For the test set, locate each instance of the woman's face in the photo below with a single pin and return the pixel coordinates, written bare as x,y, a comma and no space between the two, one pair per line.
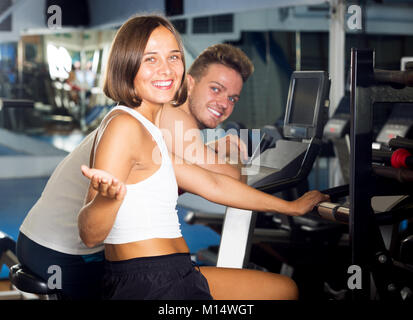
160,74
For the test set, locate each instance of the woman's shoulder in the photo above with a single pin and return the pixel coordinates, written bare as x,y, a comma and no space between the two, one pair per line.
124,129
122,122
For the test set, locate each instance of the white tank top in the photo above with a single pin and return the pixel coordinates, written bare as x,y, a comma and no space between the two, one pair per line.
149,208
52,221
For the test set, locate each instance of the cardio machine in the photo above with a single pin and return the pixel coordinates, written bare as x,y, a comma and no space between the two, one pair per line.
281,169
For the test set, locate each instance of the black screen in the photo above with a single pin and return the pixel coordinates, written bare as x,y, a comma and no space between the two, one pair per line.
304,100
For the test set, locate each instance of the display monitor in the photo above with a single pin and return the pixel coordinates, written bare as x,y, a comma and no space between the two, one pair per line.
307,104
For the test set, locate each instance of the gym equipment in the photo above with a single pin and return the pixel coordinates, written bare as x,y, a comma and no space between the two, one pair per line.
272,135
386,118
399,123
281,168
401,158
24,280
370,86
392,277
14,115
337,130
15,103
8,108
389,120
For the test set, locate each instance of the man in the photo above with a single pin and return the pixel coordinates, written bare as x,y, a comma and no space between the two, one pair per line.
214,80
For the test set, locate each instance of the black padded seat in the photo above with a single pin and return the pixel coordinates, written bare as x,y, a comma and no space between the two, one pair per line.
24,280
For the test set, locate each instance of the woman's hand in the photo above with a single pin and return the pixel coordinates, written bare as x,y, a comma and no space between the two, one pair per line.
104,183
307,202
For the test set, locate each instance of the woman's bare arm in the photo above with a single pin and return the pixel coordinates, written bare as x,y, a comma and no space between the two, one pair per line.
114,157
230,192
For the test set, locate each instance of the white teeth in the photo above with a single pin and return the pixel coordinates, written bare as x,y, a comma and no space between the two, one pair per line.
162,83
215,112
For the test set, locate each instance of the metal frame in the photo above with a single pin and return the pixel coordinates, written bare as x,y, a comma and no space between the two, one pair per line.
235,246
367,245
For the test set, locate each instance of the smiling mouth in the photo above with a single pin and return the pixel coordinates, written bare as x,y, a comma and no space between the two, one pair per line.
163,85
215,113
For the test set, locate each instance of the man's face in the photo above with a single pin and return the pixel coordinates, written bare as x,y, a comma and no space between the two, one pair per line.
212,98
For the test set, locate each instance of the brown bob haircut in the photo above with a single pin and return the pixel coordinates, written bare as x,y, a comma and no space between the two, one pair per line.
126,55
225,54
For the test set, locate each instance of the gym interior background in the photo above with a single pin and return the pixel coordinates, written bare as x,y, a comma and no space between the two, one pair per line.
60,69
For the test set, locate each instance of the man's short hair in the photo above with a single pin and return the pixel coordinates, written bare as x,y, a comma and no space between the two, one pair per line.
225,54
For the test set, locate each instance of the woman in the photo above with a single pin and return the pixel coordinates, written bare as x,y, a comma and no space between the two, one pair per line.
133,191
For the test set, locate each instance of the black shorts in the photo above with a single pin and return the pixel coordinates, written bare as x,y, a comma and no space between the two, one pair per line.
168,277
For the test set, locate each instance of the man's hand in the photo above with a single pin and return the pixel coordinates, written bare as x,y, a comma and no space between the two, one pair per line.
104,183
232,147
